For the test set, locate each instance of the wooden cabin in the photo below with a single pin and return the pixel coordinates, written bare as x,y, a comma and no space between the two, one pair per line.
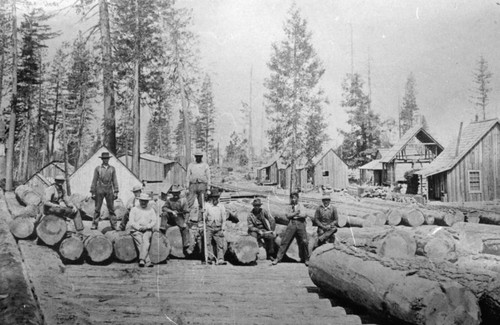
372,172
268,174
469,168
154,169
415,150
81,179
328,169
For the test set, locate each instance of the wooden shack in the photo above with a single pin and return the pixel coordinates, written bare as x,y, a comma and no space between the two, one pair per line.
372,172
415,150
154,169
328,169
268,174
81,179
469,168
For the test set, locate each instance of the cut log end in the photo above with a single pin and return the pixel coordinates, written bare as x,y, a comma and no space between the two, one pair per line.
245,249
98,247
124,248
51,229
159,249
71,248
394,217
22,227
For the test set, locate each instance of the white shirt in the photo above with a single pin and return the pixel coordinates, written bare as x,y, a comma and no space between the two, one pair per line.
140,217
198,172
215,214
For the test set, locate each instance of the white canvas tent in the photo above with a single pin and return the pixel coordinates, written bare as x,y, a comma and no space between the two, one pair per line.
81,179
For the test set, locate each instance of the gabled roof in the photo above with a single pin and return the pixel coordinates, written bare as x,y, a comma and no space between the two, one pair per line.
318,158
147,156
415,132
471,135
372,165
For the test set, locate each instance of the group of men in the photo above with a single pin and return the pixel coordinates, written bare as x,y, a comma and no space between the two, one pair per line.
144,216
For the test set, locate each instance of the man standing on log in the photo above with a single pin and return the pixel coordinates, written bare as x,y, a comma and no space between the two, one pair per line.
104,187
141,223
296,228
174,213
132,202
215,217
198,180
56,202
326,217
262,226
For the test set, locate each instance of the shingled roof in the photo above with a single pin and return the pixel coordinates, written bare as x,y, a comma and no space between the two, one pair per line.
417,131
471,135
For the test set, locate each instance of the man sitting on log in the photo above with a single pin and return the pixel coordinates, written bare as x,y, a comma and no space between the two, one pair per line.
325,218
214,217
141,223
262,226
174,213
133,202
295,213
56,202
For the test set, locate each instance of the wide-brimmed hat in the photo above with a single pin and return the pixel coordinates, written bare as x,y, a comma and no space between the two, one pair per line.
198,153
256,202
325,197
105,155
214,193
137,188
144,197
60,178
176,189
294,193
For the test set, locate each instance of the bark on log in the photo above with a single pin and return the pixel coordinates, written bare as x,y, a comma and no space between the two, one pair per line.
394,217
473,237
159,249
491,246
27,196
244,249
124,249
473,216
429,217
360,236
71,248
490,218
29,211
175,242
386,287
22,227
412,218
51,229
380,218
434,242
353,221
98,247
481,261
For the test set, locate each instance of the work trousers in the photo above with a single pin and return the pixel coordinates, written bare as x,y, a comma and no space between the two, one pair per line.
65,212
325,237
169,219
142,240
214,234
110,201
295,229
266,240
198,191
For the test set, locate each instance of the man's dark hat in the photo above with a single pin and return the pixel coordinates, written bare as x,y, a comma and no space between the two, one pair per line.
214,193
198,153
256,202
105,155
176,189
294,193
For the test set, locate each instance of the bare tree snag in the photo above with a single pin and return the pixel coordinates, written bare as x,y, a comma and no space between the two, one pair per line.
123,245
51,229
392,288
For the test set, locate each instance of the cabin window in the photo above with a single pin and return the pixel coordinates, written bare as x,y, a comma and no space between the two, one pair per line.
326,173
474,181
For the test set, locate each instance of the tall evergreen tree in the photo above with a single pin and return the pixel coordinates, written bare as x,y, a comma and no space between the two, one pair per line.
293,94
409,107
363,139
206,119
480,93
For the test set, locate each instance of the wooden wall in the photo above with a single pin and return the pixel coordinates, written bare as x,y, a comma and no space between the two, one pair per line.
175,173
484,157
338,171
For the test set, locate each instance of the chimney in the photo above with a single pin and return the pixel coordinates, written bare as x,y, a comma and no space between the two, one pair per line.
458,140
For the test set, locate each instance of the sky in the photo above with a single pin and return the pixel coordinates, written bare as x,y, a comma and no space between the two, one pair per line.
439,41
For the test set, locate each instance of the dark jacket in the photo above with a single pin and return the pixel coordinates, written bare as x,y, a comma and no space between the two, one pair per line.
256,222
104,180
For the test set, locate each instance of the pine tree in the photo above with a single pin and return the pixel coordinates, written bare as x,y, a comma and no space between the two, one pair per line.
293,94
363,139
480,94
206,120
409,107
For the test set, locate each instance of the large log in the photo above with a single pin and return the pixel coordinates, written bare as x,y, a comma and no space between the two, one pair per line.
473,216
353,221
29,211
97,246
412,218
51,229
490,218
473,237
159,250
396,243
390,288
434,242
481,261
22,227
244,249
84,203
124,249
71,248
175,242
27,196
293,252
360,236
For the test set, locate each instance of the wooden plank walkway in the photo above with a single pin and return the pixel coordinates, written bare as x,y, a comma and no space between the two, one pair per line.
180,292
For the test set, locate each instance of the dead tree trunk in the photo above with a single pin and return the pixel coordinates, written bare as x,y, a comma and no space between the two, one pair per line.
123,245
390,287
51,229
